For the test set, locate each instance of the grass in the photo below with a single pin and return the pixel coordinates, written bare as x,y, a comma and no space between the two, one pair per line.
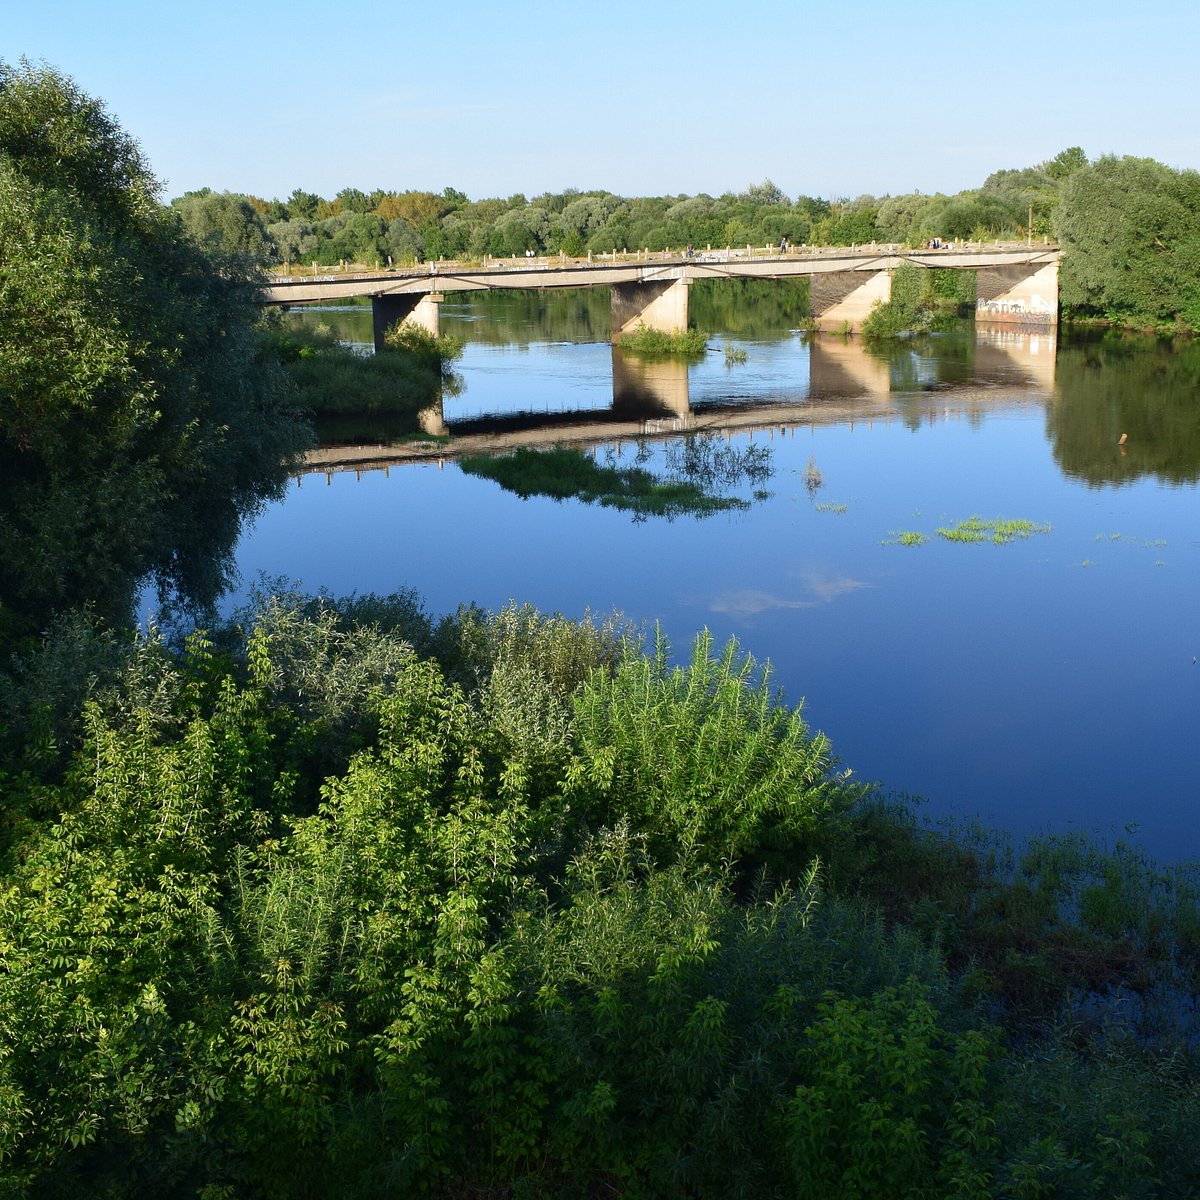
655,343
332,380
907,537
998,531
827,506
735,356
813,478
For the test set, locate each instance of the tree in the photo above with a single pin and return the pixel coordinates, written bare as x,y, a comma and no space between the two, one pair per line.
228,224
764,193
353,200
898,216
301,204
140,417
414,207
295,241
1066,162
1130,234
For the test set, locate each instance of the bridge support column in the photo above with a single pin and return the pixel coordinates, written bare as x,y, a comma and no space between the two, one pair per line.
660,304
842,300
1013,296
415,308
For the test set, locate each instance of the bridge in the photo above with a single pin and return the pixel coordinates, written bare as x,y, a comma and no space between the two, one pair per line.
1015,284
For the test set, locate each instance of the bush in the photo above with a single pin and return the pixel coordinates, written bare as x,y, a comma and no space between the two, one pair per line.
433,352
332,379
655,343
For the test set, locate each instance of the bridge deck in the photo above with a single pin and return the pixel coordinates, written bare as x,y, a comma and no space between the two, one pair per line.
545,273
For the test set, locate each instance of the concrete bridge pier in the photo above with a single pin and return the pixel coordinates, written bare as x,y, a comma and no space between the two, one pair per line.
660,304
415,308
1012,295
841,300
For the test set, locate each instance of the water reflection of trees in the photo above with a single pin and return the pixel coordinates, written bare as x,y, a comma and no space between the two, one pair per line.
753,308
929,362
692,476
750,308
1117,384
505,317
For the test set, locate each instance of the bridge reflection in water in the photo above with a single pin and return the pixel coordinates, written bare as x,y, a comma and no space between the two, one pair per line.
847,383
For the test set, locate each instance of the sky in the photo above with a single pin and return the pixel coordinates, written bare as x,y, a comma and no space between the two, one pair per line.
834,99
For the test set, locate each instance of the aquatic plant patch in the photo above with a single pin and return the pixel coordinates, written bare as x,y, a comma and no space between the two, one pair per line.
999,531
655,343
906,537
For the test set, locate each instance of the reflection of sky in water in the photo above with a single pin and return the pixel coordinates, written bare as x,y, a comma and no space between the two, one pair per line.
1043,684
497,379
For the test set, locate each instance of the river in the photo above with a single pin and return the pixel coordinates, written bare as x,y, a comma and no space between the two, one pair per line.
1045,683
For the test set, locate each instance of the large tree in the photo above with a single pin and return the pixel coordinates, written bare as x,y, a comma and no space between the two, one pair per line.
1130,233
227,223
139,417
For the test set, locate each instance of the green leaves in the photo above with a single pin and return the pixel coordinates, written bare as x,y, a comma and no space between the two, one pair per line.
1130,233
524,937
139,417
708,763
890,1102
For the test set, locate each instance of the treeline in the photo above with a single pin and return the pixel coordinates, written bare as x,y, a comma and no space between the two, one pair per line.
415,226
1129,228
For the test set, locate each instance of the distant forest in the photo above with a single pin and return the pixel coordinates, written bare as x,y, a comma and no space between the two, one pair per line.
416,226
1129,227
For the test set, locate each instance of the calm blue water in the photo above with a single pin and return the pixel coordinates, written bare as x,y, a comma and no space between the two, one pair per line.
1046,684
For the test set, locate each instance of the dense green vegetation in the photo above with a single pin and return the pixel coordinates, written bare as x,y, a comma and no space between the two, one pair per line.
331,379
139,411
656,343
1130,231
414,226
921,301
339,900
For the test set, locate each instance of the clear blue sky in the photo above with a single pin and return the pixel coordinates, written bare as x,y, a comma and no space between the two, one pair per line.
644,98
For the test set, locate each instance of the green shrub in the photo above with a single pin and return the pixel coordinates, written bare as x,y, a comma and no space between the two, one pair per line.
434,352
332,379
704,760
656,343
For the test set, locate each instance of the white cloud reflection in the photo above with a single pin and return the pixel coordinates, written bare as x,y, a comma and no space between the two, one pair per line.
747,602
819,587
827,586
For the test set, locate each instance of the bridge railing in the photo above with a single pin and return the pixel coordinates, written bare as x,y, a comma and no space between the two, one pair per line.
318,272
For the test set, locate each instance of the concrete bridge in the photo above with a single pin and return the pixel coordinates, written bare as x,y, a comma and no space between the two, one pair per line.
1014,284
